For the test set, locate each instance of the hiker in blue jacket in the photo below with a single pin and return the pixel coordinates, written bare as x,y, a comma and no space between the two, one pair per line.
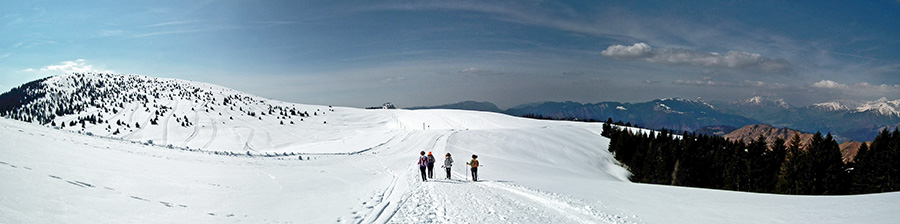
448,161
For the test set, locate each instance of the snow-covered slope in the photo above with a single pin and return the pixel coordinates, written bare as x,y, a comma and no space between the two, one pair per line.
359,167
533,172
194,115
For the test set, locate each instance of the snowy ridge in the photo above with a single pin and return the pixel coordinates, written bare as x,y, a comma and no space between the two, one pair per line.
831,106
189,115
762,101
881,106
695,101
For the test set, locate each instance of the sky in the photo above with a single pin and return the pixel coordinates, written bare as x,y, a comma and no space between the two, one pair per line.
422,53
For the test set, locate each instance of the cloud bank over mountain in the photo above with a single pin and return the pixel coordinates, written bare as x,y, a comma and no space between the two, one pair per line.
676,56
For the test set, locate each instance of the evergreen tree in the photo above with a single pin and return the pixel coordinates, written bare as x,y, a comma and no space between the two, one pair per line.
863,174
792,178
893,155
776,157
757,165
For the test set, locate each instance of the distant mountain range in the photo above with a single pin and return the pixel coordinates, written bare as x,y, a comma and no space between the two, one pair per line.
854,120
847,120
465,105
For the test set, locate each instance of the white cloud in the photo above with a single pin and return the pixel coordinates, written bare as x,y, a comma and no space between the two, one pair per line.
469,70
71,66
828,84
638,50
732,59
862,86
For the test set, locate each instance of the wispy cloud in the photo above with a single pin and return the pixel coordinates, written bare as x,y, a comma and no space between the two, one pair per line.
171,23
732,59
479,72
110,33
708,81
5,55
33,43
79,65
514,13
183,31
180,27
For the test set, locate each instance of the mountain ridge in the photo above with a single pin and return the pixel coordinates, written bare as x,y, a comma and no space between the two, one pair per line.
174,112
845,119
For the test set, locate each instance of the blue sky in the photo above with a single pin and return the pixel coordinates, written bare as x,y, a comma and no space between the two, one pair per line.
411,53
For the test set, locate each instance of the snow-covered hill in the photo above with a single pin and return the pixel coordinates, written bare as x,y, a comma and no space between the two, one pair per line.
191,115
359,167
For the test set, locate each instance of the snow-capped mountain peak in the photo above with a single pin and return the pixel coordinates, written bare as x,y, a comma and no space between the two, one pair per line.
831,106
699,101
882,106
763,101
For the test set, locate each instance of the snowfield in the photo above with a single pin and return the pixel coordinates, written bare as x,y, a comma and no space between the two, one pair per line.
533,172
352,166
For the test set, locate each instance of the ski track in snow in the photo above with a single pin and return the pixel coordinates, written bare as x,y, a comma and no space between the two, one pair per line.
247,146
165,124
268,138
133,111
462,201
215,131
144,124
196,128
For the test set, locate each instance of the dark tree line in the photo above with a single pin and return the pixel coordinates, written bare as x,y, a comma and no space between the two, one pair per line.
804,168
876,166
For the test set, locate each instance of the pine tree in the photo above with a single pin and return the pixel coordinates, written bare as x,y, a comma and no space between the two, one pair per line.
775,159
757,165
792,179
826,166
893,155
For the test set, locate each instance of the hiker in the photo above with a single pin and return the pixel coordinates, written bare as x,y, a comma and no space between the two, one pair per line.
430,166
474,164
448,161
423,162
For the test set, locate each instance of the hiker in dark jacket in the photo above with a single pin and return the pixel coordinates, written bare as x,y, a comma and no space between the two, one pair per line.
430,166
423,162
448,161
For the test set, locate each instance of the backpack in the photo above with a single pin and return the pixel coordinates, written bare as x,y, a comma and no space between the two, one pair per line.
423,161
474,163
